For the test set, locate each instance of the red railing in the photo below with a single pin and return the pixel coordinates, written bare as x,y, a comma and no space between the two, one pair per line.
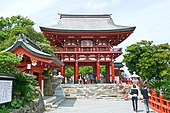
159,104
86,49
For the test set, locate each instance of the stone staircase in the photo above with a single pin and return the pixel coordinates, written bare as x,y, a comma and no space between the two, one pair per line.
96,91
87,91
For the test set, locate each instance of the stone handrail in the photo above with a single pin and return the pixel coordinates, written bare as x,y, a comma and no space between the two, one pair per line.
159,104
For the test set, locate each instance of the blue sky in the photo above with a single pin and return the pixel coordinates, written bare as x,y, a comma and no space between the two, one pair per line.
151,17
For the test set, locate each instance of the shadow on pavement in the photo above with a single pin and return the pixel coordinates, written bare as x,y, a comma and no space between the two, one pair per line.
140,110
68,103
149,111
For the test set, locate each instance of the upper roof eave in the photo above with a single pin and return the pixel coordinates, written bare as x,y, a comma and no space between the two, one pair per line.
105,30
84,15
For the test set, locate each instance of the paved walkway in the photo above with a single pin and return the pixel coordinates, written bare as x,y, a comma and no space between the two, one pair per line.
97,106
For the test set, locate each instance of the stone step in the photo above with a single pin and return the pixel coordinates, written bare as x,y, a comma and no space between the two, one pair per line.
93,91
49,99
58,102
53,101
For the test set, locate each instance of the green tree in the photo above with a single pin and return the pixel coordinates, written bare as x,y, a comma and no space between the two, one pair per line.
69,71
23,86
11,27
8,63
148,60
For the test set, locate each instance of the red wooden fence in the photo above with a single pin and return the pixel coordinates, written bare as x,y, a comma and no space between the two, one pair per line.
159,104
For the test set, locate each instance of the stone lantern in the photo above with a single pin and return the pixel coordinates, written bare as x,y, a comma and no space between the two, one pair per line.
135,78
59,92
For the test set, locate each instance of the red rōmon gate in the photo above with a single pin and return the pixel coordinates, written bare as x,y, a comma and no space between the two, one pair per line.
87,40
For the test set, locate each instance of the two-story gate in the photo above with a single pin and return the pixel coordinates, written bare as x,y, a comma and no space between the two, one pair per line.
87,40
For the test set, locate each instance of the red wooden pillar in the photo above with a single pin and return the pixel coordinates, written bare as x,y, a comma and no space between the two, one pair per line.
98,71
40,80
76,72
63,74
119,72
31,71
161,103
113,71
108,73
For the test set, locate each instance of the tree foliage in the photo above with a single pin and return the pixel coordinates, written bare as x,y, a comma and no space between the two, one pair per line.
8,63
83,70
23,86
147,60
11,27
23,90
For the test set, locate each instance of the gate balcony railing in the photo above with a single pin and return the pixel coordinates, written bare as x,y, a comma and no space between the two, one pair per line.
88,49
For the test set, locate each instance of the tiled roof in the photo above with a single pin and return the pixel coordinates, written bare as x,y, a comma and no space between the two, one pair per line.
87,23
25,43
118,64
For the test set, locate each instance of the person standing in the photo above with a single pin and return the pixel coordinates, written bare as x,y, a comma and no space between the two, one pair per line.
134,93
145,93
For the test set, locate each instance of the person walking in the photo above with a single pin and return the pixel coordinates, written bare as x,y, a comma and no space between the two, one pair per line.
134,93
145,92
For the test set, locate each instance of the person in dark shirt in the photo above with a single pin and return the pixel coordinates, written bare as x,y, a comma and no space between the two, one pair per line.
134,93
144,92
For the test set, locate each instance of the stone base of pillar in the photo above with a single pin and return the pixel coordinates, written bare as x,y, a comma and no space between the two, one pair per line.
98,81
76,82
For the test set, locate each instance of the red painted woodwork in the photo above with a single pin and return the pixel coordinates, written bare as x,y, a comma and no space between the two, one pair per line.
76,72
91,47
159,104
108,73
63,73
113,71
28,58
98,70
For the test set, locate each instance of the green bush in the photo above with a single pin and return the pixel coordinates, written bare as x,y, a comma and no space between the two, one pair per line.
23,86
23,90
16,103
8,63
4,109
161,85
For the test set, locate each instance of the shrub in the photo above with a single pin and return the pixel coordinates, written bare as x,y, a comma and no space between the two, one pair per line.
161,85
4,109
23,90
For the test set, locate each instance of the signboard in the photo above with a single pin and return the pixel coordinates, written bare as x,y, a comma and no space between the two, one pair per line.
5,91
86,43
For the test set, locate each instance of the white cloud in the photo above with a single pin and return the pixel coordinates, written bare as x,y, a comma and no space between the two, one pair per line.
115,1
96,5
21,7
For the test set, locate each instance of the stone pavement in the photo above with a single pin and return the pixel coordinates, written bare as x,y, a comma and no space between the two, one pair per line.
97,106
